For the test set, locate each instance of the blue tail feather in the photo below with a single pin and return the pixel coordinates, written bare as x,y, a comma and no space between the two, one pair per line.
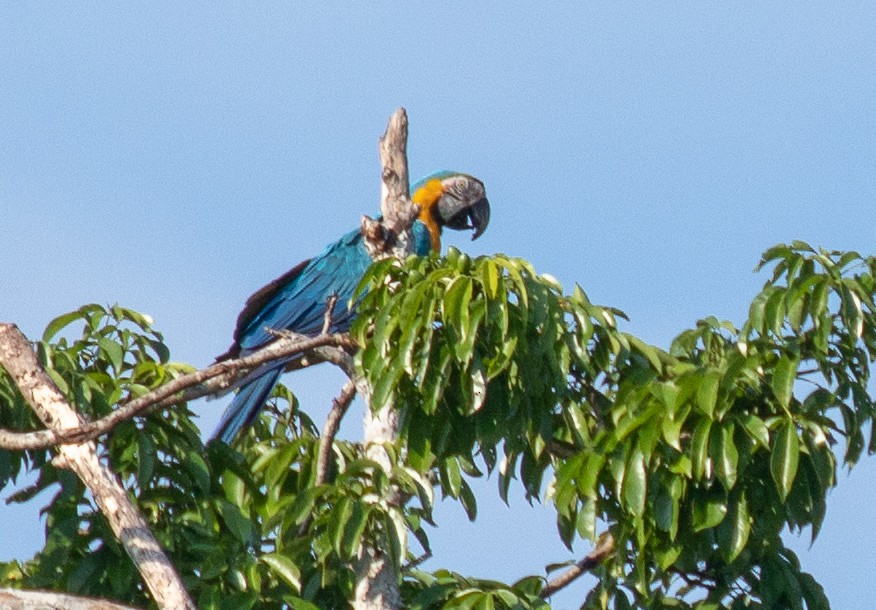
246,405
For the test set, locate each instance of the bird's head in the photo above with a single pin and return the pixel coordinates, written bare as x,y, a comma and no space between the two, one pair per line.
453,200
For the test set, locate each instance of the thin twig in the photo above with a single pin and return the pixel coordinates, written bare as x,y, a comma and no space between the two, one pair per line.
172,392
327,440
417,562
560,449
604,547
330,430
329,312
697,579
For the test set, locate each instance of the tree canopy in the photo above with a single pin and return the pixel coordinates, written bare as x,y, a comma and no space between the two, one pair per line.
682,467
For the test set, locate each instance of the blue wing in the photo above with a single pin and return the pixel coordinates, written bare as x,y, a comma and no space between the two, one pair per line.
298,304
297,301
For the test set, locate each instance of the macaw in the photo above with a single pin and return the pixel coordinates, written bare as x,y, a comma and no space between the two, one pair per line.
297,300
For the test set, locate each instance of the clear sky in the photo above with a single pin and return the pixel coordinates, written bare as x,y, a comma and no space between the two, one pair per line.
174,158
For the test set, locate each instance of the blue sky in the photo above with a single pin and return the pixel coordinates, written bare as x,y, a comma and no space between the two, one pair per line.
174,158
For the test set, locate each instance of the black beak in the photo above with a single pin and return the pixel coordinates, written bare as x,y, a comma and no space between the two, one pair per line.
475,216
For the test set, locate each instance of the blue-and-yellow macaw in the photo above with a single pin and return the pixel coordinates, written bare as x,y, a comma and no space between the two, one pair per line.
297,300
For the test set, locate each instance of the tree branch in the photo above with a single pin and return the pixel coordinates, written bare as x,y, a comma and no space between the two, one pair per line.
18,358
377,579
330,430
336,354
391,236
327,440
15,599
414,563
329,312
604,547
221,374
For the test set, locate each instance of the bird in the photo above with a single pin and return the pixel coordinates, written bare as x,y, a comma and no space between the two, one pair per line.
297,300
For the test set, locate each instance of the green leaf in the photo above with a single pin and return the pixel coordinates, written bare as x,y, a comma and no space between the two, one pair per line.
354,528
468,500
577,422
651,353
386,383
490,275
725,455
456,304
708,511
671,431
813,593
197,469
783,379
666,556
666,506
589,473
339,516
707,393
396,529
634,487
819,301
785,457
779,251
236,520
146,457
700,449
114,353
775,311
284,568
303,505
478,385
756,429
757,309
451,479
60,322
586,523
733,533
300,604
667,393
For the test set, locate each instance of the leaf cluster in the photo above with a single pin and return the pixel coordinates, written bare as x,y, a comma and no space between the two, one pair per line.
696,458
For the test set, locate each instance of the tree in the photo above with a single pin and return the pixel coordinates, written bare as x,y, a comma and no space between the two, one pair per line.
682,467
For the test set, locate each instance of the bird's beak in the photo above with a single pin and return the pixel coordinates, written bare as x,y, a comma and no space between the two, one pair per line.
475,217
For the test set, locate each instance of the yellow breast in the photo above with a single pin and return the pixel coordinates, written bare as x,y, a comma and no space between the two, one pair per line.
427,197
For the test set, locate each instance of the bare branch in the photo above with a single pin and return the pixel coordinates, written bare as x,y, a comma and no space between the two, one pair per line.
391,236
18,358
417,562
330,430
222,373
395,204
327,440
560,449
337,354
604,547
15,599
329,312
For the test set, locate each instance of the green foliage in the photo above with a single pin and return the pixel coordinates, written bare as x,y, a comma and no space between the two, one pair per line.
450,591
695,459
204,504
